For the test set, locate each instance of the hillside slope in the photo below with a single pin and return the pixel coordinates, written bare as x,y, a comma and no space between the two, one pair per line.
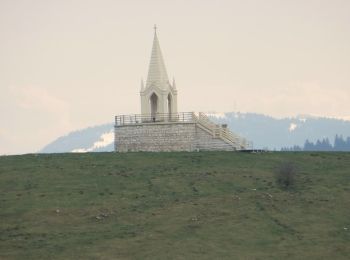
173,206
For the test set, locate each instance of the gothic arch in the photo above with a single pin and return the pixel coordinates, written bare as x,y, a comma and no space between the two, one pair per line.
170,103
154,100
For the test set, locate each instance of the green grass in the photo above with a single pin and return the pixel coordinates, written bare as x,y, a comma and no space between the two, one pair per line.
207,205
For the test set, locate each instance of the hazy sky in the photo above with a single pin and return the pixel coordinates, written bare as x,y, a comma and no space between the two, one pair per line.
65,65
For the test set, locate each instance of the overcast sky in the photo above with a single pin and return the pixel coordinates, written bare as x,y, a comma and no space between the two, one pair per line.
66,65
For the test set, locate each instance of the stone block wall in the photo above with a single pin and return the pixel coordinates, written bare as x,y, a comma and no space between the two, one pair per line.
156,137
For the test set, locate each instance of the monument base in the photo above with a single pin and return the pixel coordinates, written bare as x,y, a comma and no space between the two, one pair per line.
186,133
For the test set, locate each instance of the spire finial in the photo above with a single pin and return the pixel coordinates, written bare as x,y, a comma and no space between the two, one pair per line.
155,28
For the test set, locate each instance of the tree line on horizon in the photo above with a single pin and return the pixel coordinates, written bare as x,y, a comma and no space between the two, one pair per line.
340,144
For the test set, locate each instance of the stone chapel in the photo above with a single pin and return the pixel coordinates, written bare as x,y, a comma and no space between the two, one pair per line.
160,127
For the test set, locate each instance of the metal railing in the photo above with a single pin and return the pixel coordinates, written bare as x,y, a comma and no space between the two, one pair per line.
155,118
219,131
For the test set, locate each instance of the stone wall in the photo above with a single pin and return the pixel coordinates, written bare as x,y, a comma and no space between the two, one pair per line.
156,137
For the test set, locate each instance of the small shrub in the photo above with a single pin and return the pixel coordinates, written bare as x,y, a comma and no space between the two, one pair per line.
286,174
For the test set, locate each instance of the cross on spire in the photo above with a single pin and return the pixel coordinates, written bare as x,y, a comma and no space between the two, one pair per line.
155,28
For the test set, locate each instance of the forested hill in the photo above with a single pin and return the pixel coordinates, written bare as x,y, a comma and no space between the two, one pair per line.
273,133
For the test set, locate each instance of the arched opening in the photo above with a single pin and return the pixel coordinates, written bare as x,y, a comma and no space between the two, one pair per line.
170,111
154,106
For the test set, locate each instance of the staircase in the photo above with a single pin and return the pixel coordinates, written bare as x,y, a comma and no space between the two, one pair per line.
220,132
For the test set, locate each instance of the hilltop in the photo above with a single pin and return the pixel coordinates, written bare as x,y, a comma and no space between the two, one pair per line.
207,205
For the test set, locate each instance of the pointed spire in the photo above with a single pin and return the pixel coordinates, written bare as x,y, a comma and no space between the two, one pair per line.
174,84
157,74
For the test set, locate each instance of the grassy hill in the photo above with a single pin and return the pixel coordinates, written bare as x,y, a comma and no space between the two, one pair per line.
174,206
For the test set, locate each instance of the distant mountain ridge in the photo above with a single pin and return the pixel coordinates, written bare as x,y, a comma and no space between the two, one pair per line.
262,130
92,139
273,133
